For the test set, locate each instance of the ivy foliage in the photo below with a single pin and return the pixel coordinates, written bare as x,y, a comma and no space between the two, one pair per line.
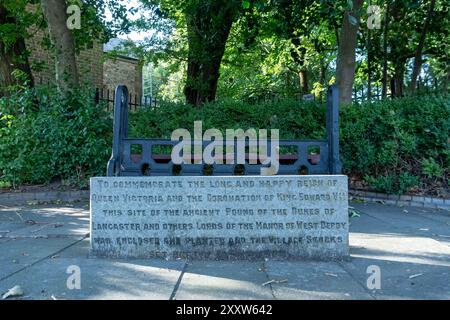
68,138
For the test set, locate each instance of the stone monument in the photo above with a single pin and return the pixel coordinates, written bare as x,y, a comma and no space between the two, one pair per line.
144,209
220,217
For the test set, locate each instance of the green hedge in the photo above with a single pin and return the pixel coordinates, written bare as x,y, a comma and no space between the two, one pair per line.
392,146
293,119
68,138
400,144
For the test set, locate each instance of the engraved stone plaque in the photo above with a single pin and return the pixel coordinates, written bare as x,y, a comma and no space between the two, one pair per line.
220,217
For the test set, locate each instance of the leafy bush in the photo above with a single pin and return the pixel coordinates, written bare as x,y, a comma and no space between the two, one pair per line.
431,168
382,183
44,136
406,181
393,183
385,143
294,119
393,145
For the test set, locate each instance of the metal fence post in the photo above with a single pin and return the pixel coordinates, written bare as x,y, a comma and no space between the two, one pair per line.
120,129
335,165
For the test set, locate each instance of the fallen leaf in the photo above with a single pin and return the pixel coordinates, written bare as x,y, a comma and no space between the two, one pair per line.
19,215
353,213
13,292
274,281
268,282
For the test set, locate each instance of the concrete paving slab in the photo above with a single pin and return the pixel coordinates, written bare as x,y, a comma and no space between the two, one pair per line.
307,280
21,253
417,221
413,260
100,278
29,221
228,280
402,280
9,226
394,247
411,249
36,232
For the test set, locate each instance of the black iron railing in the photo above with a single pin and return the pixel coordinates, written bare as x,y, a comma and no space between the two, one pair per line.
139,157
134,101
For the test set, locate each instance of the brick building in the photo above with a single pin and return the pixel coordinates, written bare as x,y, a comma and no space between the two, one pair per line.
95,67
122,69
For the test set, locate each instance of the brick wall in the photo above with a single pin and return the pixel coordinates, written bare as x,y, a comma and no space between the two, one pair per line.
89,62
94,67
123,70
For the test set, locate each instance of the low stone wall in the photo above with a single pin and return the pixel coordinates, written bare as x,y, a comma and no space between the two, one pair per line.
401,200
17,198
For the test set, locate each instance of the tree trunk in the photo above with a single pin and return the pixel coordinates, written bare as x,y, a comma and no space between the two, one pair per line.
207,38
13,56
385,50
369,66
304,85
298,54
202,80
323,73
345,70
369,63
446,81
397,84
63,43
418,57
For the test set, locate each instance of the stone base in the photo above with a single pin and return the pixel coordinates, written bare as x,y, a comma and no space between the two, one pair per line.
235,217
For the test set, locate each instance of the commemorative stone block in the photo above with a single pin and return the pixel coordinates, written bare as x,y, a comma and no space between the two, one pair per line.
220,217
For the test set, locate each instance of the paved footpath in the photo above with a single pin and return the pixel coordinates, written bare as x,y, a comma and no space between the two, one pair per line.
411,246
